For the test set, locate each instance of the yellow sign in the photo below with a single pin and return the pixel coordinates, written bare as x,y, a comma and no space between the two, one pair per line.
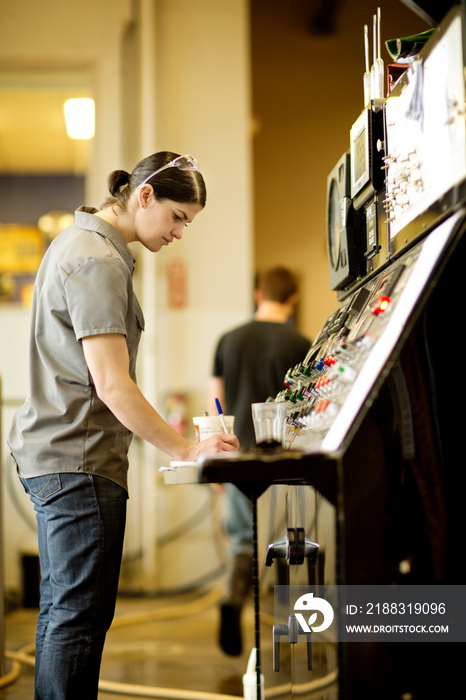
21,249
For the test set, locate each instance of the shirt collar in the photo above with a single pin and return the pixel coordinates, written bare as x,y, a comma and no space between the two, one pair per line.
85,219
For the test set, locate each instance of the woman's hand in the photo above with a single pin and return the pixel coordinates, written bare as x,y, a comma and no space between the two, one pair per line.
223,442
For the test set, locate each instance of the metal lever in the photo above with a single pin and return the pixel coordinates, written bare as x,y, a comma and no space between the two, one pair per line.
294,547
292,630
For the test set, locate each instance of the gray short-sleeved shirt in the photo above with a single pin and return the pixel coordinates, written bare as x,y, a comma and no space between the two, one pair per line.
83,288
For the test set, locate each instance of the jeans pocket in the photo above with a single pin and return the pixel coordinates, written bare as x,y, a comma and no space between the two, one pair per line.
42,486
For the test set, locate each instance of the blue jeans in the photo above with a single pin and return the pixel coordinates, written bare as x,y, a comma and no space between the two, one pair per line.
239,520
81,522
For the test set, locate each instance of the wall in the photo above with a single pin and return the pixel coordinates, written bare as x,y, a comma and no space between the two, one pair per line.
202,59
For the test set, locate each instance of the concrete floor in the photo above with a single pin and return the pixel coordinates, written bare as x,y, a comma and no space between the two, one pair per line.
171,643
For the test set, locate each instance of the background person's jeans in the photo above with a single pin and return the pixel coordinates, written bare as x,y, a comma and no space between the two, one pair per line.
239,520
81,522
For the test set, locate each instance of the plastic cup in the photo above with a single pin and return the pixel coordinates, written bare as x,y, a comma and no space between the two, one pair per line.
269,420
205,426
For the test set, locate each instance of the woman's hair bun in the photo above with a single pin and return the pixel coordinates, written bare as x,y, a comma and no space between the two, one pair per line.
116,180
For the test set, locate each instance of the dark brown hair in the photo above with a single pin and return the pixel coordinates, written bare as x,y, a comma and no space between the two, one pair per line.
186,186
277,284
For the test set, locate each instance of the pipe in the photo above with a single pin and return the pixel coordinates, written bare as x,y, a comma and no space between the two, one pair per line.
12,675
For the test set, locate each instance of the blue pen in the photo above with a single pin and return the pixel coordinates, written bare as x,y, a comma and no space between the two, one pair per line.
220,413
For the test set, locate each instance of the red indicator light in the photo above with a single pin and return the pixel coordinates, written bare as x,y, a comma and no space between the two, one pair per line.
381,305
329,360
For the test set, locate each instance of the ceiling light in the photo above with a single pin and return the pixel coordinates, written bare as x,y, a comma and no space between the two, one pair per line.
80,118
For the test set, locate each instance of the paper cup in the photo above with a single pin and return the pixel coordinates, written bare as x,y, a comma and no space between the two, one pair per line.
205,426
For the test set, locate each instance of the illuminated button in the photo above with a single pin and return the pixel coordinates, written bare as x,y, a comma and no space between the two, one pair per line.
322,381
381,305
329,360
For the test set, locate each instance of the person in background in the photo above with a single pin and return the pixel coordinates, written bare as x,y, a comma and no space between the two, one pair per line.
250,364
70,439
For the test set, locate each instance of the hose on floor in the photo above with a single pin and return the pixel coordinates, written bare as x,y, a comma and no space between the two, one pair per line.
23,656
195,606
12,675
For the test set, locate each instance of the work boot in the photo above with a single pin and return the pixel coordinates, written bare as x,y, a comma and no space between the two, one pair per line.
239,583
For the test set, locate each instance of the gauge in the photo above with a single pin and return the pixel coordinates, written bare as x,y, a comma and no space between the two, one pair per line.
343,227
334,225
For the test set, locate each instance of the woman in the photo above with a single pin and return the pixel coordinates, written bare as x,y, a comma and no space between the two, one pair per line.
70,439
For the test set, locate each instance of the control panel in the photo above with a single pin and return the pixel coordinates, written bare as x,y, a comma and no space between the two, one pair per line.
326,392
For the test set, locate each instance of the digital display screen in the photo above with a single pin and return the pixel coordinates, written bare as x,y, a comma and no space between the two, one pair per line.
359,157
362,156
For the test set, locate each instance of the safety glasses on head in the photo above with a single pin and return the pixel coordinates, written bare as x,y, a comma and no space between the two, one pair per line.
185,162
